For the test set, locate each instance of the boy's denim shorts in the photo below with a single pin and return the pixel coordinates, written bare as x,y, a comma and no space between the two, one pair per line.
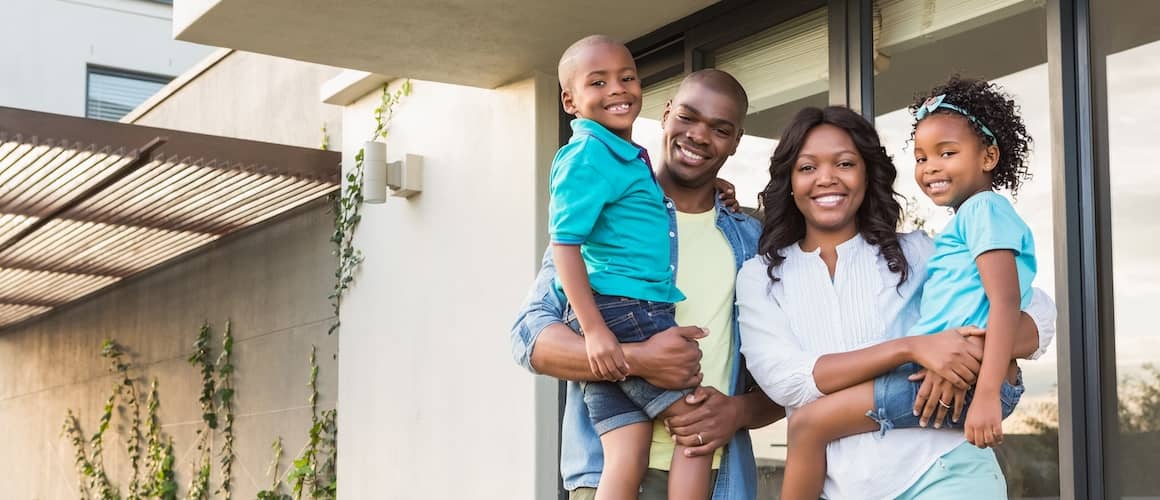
894,400
612,405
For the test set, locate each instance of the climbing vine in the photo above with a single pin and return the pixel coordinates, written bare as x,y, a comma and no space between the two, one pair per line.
85,469
225,400
348,204
199,484
275,491
127,389
312,471
159,458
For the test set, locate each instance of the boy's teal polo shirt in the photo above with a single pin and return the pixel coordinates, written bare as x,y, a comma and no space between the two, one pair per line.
605,199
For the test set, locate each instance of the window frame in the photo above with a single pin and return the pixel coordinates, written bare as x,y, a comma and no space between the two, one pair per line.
98,69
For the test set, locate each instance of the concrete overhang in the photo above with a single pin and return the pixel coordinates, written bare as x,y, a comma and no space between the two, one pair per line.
467,42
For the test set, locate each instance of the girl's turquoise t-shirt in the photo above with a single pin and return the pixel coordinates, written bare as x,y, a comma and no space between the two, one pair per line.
953,295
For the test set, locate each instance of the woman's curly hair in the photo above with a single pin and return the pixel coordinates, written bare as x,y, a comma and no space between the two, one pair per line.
878,216
992,107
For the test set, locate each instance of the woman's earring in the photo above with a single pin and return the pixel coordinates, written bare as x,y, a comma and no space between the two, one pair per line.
791,194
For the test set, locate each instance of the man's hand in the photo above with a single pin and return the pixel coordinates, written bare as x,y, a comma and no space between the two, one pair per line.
950,355
984,425
670,359
935,398
709,426
604,355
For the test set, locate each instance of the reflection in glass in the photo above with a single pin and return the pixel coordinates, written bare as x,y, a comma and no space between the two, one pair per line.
924,43
1132,42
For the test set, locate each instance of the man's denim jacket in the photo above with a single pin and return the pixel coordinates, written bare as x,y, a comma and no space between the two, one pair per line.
581,457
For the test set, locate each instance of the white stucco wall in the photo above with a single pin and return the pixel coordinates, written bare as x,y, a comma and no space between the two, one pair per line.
49,43
431,404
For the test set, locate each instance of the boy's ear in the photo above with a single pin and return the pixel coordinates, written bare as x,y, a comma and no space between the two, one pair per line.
566,100
990,158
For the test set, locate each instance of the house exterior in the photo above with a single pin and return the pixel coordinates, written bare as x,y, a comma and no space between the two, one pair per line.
431,403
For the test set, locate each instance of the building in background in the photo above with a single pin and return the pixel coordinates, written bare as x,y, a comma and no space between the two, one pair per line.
94,58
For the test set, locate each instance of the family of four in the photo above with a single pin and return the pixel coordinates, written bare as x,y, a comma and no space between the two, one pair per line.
681,323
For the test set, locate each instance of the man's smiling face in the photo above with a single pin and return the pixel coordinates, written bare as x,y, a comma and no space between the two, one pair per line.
702,128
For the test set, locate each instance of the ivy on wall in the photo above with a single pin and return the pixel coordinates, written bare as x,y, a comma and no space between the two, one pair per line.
150,452
348,205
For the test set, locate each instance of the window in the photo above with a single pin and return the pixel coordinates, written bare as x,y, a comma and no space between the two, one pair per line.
1128,43
113,93
920,55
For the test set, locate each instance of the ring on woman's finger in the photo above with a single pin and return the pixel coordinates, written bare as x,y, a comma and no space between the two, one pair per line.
700,440
943,404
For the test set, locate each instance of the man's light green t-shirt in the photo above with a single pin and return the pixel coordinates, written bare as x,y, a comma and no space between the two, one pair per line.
706,274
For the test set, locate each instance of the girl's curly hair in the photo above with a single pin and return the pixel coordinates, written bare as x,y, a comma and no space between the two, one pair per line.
995,109
877,219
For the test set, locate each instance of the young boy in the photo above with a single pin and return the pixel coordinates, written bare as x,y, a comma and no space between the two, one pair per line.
610,231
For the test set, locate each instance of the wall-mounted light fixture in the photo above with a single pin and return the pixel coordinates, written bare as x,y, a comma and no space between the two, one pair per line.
404,177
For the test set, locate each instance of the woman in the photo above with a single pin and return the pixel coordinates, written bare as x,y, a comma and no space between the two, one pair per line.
827,301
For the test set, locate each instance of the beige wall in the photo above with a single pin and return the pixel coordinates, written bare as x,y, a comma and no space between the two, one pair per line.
432,404
249,96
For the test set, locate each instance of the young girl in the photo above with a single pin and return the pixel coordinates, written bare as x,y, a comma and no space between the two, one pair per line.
968,141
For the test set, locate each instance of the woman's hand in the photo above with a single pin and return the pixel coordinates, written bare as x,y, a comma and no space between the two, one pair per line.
950,355
935,398
727,194
707,427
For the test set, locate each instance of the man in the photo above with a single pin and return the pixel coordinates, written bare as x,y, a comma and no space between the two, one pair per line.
702,127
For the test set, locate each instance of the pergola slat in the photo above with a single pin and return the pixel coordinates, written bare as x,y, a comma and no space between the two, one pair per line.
86,203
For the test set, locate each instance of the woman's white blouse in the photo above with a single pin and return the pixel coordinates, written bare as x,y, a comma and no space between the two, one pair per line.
788,324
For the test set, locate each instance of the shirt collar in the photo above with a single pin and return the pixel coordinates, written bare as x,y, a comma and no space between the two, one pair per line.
623,149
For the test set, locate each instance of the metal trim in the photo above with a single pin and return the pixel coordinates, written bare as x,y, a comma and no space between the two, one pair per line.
851,36
1082,250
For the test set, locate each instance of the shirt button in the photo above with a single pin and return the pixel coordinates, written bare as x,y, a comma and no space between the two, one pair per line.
672,234
672,268
669,204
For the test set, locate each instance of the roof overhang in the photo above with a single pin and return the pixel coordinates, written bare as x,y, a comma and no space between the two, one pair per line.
468,42
86,203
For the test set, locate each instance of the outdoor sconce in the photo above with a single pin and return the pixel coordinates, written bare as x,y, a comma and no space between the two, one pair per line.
405,177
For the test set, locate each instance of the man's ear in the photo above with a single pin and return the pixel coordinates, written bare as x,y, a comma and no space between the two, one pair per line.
736,142
990,158
665,113
566,100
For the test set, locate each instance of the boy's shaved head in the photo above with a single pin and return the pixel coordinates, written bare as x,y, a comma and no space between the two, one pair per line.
567,67
720,82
